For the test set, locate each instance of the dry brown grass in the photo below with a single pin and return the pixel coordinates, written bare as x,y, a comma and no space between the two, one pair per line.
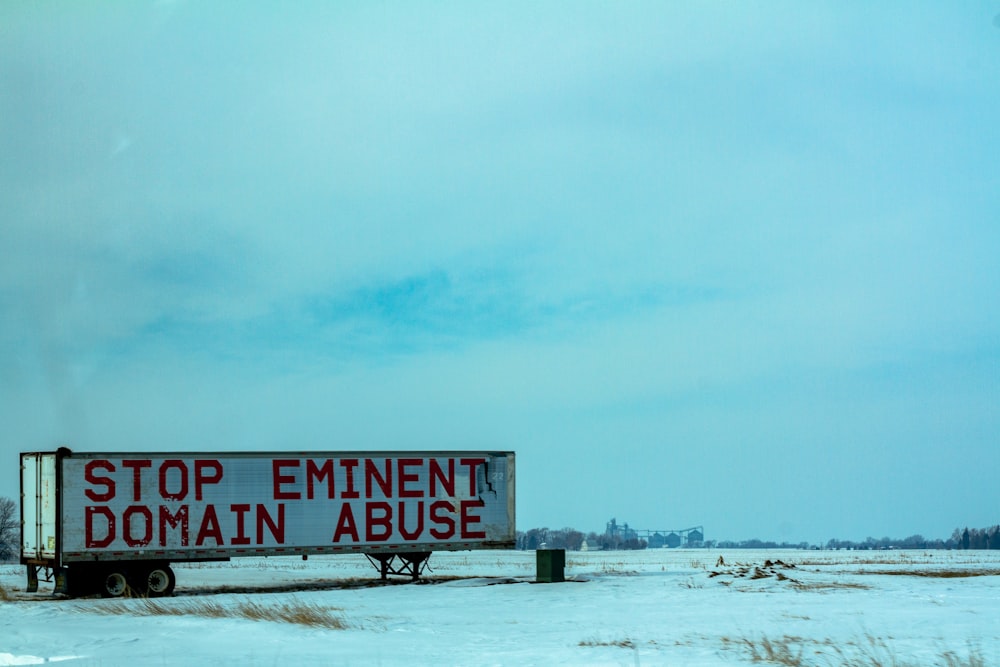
4,595
794,651
620,643
784,651
615,567
828,585
781,572
895,559
300,613
935,574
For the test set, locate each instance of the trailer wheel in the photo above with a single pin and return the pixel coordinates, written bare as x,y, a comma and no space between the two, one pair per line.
115,584
160,581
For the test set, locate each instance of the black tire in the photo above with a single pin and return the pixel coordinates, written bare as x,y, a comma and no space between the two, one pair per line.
152,580
159,581
114,583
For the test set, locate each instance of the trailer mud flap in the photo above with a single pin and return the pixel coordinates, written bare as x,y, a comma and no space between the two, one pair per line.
61,575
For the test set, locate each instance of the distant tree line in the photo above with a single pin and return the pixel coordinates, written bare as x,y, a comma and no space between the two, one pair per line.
756,544
573,540
967,538
976,538
10,534
911,542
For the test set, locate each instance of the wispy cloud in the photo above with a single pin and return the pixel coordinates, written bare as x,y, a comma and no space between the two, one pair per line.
658,229
430,311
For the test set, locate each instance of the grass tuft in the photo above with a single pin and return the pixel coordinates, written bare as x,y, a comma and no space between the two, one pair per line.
615,567
4,595
299,613
870,652
935,574
828,585
778,652
975,659
620,643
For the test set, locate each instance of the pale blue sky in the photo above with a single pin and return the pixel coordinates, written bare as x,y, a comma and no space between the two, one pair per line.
731,264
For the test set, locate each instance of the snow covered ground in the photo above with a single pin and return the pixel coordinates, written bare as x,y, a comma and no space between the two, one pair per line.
654,607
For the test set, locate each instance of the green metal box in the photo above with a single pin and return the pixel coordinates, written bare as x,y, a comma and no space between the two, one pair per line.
550,564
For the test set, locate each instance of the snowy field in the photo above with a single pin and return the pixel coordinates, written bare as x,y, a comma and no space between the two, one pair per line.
655,607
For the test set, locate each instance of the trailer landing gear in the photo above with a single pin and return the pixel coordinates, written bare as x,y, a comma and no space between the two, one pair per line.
410,564
44,573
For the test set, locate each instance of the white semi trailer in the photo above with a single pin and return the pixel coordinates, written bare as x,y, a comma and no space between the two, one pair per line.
113,522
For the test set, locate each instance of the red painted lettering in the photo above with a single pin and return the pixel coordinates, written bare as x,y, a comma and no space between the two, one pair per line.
201,476
409,478
319,473
277,529
209,524
280,479
127,523
240,511
107,482
469,519
178,520
411,535
349,465
136,467
346,524
384,522
440,511
109,527
447,482
183,472
472,464
383,480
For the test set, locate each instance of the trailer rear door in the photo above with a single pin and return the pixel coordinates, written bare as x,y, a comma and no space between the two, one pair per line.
39,498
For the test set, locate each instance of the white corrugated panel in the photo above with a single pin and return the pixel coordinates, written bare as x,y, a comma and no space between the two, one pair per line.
192,505
38,505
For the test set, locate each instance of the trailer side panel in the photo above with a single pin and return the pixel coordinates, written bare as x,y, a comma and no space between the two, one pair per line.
188,506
